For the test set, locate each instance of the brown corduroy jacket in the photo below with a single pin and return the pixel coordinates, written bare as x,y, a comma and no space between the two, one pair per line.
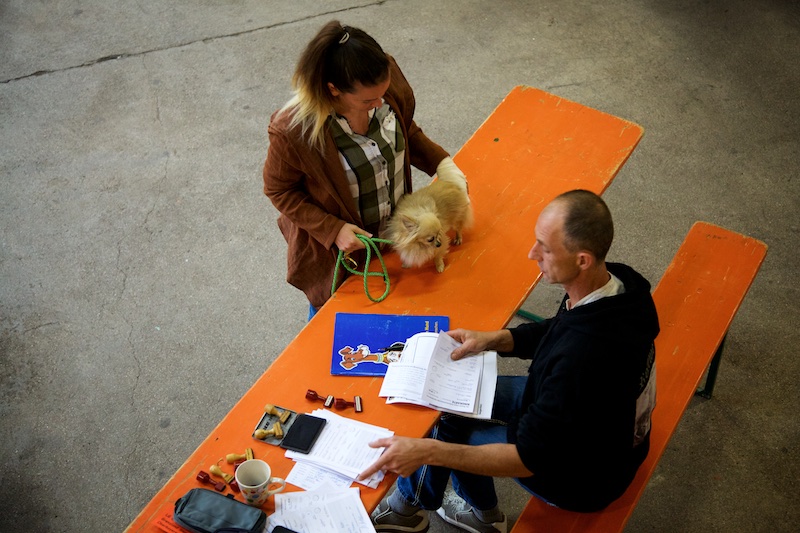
310,189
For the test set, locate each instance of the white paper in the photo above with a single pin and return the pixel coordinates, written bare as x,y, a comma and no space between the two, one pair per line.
311,477
427,376
302,501
488,387
340,511
452,384
419,347
403,379
343,446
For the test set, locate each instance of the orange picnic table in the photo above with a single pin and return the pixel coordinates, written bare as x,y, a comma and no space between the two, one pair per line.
532,147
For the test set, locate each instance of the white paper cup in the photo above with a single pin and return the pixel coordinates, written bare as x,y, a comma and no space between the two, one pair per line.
254,478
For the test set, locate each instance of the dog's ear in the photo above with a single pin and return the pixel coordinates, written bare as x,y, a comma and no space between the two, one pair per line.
409,223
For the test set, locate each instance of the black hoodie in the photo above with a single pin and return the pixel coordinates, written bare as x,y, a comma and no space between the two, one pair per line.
589,365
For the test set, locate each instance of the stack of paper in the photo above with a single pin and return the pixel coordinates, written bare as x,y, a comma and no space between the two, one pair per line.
331,511
426,375
340,453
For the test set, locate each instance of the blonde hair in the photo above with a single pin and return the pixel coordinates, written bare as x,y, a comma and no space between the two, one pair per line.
341,55
310,114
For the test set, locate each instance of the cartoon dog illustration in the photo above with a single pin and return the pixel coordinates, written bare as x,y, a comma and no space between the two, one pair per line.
352,357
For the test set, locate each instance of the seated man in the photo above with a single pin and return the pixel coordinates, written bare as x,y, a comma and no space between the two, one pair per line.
575,430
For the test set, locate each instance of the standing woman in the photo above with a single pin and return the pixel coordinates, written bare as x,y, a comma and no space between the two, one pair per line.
340,153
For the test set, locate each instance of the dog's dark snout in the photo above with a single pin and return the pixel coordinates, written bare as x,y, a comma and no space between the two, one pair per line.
438,244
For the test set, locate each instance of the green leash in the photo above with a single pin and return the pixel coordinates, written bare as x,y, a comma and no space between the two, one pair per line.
370,245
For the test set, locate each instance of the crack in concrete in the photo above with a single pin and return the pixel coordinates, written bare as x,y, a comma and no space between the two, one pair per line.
121,271
204,40
40,326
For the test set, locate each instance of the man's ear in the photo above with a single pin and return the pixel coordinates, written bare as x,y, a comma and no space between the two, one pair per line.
333,90
585,260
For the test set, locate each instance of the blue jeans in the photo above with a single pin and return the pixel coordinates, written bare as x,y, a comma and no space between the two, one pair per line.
425,487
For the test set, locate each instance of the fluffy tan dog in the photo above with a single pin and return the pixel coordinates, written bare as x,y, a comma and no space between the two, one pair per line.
418,228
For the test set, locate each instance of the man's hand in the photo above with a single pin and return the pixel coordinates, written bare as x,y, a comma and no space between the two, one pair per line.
346,239
478,341
471,342
403,455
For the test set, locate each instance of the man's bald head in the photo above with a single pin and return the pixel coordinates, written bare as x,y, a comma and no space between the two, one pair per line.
587,223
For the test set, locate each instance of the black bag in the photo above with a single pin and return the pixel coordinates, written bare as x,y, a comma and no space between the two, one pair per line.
207,511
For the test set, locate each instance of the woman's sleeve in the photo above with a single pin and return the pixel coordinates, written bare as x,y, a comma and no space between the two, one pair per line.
425,154
285,184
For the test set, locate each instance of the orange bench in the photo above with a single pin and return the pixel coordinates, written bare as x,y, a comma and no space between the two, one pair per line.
697,298
533,147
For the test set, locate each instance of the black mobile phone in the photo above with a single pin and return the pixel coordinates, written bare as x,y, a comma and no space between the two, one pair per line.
281,529
303,433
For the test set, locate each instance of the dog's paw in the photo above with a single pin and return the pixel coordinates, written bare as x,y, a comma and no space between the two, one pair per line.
458,239
439,265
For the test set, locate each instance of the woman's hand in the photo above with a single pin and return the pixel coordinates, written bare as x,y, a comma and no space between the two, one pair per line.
346,239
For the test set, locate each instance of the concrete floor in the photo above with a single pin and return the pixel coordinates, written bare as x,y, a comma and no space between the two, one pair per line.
142,282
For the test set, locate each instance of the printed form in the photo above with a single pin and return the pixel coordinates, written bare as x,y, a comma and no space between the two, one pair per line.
332,511
343,447
426,375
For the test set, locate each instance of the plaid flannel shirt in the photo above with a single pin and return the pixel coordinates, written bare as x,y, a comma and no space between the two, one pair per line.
373,164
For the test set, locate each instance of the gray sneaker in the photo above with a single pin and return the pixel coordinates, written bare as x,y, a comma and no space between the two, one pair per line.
456,511
384,519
